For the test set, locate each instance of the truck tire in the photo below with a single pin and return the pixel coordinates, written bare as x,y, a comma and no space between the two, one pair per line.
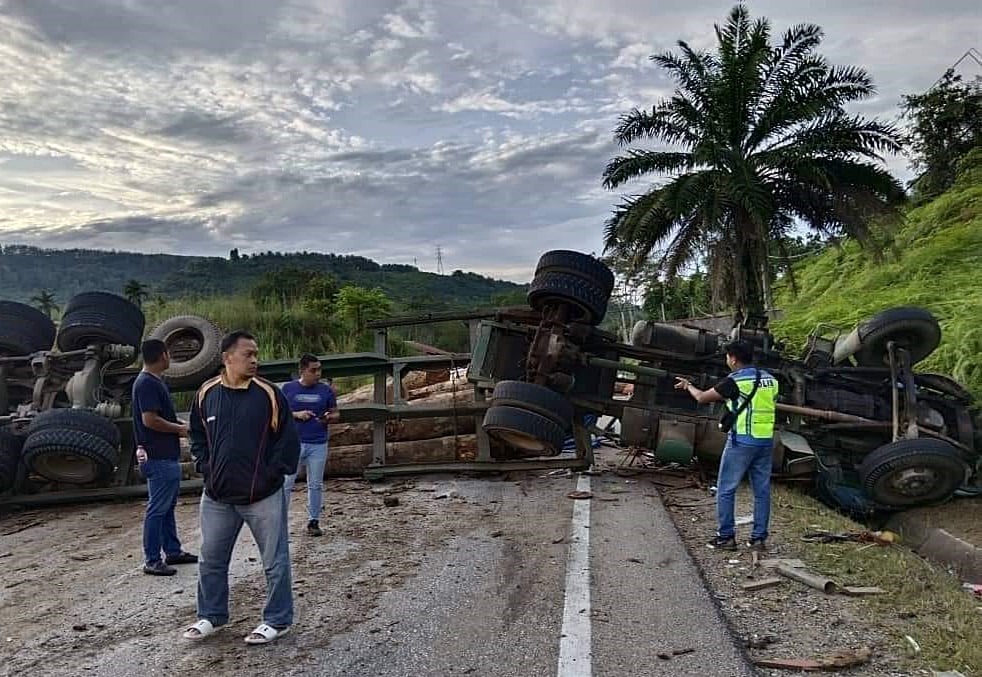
944,385
588,300
70,456
912,472
915,329
83,420
99,318
578,264
533,434
10,449
24,330
194,345
535,398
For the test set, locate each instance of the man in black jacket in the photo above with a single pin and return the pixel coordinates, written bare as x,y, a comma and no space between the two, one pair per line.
243,442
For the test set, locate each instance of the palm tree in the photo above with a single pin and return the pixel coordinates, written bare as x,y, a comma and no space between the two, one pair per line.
761,142
45,302
136,292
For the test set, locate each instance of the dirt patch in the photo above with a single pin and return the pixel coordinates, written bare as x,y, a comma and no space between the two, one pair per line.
75,601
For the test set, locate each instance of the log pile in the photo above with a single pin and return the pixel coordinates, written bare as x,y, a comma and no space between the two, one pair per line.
415,440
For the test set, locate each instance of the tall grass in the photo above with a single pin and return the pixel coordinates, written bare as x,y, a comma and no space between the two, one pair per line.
935,262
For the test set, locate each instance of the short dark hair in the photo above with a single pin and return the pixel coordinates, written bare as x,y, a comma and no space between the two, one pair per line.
741,350
152,350
230,339
308,359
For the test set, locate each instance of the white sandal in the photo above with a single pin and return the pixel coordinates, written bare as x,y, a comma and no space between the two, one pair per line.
267,634
199,630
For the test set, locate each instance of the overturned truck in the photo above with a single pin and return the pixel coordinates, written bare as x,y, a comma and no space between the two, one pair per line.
853,412
856,418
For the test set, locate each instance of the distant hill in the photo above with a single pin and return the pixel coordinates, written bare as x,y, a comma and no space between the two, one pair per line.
25,271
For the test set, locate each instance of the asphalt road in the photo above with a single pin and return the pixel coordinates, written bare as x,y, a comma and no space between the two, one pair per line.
494,604
497,577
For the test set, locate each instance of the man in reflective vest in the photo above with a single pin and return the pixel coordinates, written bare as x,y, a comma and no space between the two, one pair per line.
749,442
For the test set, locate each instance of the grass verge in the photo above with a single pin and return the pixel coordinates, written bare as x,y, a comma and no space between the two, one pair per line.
922,599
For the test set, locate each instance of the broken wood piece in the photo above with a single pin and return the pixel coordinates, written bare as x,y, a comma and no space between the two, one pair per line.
860,590
769,582
772,563
579,494
826,585
836,661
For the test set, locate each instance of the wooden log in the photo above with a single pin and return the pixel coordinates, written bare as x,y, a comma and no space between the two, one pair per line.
351,459
398,430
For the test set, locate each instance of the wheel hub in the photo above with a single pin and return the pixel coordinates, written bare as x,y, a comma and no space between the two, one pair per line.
914,481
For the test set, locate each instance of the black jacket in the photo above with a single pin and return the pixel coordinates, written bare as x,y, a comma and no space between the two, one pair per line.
243,440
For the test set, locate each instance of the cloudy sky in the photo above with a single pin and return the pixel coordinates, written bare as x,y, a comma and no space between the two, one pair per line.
376,127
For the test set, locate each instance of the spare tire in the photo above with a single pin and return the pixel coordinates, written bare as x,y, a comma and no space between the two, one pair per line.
914,329
912,472
575,263
532,433
587,299
194,345
535,398
10,448
99,318
24,330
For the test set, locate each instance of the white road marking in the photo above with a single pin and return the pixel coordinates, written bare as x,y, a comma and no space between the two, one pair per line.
575,651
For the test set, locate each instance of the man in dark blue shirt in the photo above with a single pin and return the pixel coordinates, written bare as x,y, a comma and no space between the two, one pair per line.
313,405
158,430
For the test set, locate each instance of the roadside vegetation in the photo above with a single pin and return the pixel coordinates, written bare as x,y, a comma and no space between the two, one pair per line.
921,599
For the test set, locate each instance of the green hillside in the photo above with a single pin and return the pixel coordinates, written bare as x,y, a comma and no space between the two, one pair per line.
25,271
935,262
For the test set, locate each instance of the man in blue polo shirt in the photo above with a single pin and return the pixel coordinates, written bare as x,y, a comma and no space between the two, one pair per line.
158,430
313,405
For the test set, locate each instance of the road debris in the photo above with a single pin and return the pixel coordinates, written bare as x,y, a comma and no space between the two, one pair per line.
390,501
873,537
862,591
762,584
579,494
826,585
915,648
842,659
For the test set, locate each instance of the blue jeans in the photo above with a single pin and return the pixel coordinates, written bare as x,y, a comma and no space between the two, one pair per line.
315,458
159,524
740,460
220,526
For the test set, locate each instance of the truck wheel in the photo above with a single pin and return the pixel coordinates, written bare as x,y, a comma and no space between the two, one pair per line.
533,434
194,345
24,330
578,264
915,329
944,385
70,456
535,398
10,448
82,420
588,300
912,472
98,318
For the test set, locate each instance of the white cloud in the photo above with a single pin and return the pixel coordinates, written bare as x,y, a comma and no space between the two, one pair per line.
378,128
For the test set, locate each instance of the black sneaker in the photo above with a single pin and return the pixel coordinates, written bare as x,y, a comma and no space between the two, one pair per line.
158,568
757,544
314,529
721,543
181,558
